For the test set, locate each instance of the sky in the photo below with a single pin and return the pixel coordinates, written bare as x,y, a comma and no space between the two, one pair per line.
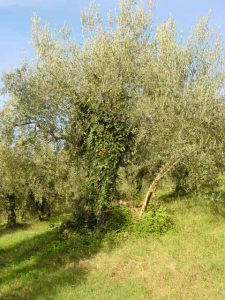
16,15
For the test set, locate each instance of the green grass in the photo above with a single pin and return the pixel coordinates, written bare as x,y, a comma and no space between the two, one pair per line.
188,262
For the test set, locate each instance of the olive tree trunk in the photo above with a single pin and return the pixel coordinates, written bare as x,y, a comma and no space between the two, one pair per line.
11,222
44,211
153,186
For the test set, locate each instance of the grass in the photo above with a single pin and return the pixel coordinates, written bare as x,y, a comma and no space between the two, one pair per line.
187,262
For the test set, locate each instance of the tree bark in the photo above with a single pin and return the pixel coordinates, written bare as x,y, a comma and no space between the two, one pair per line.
44,211
148,197
152,188
11,222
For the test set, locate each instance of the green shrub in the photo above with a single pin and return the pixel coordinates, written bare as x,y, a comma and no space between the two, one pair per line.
118,227
155,221
118,220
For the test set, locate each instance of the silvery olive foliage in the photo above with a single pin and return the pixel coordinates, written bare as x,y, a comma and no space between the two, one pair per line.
131,95
182,105
12,181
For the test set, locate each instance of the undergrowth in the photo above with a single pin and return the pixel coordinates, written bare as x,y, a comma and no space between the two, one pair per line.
121,226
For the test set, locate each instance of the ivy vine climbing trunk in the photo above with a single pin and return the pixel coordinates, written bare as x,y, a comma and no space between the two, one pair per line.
107,144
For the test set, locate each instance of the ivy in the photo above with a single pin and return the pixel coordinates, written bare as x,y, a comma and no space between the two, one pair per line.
107,144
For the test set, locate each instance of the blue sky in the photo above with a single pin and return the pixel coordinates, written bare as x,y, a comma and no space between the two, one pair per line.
16,15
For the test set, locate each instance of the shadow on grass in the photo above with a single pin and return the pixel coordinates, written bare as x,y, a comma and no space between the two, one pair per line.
217,195
170,196
214,199
6,230
217,202
38,267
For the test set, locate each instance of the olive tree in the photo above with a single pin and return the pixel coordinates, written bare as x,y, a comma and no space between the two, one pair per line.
182,106
79,97
13,187
131,93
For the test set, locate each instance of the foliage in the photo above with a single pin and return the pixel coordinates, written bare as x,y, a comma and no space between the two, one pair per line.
119,219
133,96
181,111
107,145
12,181
155,221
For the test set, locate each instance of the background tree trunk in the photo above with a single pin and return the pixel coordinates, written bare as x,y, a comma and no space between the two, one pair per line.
44,211
11,222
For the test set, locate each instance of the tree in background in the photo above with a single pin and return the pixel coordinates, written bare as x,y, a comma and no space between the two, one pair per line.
182,107
13,168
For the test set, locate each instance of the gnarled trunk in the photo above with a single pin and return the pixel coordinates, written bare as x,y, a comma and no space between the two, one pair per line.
44,211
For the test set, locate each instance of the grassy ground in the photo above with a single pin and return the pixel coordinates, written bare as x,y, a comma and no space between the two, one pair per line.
188,262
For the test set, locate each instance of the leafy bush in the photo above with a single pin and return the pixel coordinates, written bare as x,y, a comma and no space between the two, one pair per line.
156,221
119,219
120,226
